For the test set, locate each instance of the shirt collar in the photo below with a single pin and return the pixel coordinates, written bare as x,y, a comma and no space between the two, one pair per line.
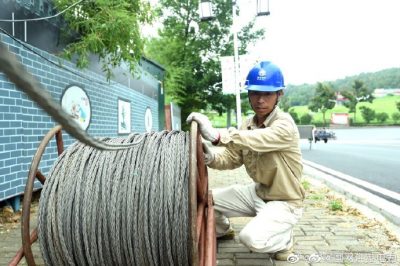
253,125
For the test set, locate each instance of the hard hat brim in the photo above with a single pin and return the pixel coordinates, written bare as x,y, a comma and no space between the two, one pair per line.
263,88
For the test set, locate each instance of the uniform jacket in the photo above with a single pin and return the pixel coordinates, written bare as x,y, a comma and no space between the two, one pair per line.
271,155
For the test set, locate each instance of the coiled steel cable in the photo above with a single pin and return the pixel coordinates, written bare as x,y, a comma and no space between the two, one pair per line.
127,207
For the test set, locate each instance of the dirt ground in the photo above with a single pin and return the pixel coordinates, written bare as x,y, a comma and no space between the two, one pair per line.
10,219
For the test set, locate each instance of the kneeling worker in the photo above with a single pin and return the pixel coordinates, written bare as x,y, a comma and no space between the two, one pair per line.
268,145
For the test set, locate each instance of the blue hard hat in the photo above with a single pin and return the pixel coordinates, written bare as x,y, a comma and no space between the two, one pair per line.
265,76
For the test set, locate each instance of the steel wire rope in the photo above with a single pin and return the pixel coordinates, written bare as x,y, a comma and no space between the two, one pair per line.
154,203
168,207
142,202
175,205
90,200
91,203
124,200
160,228
135,170
133,200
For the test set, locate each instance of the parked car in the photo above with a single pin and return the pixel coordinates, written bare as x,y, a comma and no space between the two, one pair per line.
323,134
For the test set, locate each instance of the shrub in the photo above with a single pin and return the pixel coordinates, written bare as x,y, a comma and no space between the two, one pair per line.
305,119
335,205
294,116
396,117
381,117
367,113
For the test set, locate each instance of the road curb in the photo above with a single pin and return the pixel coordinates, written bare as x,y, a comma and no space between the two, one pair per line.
333,179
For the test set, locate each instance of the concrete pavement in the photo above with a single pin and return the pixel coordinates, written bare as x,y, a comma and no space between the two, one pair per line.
323,236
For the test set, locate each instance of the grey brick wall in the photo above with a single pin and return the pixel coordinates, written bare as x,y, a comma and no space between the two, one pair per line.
23,124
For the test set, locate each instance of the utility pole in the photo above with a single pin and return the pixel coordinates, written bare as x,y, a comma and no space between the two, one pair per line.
236,67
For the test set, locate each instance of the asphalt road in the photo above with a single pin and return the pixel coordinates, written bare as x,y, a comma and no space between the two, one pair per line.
369,154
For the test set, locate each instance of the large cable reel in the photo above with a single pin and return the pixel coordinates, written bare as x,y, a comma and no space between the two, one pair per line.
202,242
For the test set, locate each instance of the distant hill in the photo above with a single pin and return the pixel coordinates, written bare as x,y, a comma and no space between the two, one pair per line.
386,79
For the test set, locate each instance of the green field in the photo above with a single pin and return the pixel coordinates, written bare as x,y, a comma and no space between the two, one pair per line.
380,105
385,104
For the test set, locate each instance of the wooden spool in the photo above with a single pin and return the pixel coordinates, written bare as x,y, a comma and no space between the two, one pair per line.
202,231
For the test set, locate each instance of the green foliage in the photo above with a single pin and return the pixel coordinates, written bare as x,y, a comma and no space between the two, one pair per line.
358,93
294,116
367,113
387,78
109,29
323,100
317,197
396,117
299,95
335,205
398,106
246,108
305,119
284,103
189,49
306,184
381,117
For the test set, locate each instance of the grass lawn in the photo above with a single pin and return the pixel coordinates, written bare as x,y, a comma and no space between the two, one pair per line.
385,104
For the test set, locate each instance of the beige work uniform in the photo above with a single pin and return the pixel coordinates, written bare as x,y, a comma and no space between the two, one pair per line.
272,158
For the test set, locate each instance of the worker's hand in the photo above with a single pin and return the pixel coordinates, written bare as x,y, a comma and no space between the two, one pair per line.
208,154
206,129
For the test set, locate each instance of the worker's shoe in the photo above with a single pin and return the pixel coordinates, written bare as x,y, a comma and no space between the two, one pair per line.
230,234
285,254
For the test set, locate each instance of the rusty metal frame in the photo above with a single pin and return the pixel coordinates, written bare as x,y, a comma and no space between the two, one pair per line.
29,238
203,236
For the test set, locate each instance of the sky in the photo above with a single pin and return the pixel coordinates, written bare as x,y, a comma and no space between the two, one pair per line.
322,40
325,40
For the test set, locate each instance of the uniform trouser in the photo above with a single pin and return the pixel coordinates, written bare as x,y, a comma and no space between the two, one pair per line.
271,228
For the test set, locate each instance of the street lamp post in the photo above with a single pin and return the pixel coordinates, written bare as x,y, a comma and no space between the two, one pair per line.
236,67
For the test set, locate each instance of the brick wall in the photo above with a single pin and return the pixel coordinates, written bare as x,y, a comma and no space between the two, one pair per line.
23,124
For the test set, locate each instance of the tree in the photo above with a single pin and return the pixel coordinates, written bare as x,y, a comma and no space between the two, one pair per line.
189,49
323,100
367,113
358,93
109,29
398,106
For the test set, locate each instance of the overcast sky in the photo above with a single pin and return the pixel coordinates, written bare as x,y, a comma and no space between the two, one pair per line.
320,40
323,40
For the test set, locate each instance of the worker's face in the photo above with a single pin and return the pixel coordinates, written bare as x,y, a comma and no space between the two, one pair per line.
263,102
